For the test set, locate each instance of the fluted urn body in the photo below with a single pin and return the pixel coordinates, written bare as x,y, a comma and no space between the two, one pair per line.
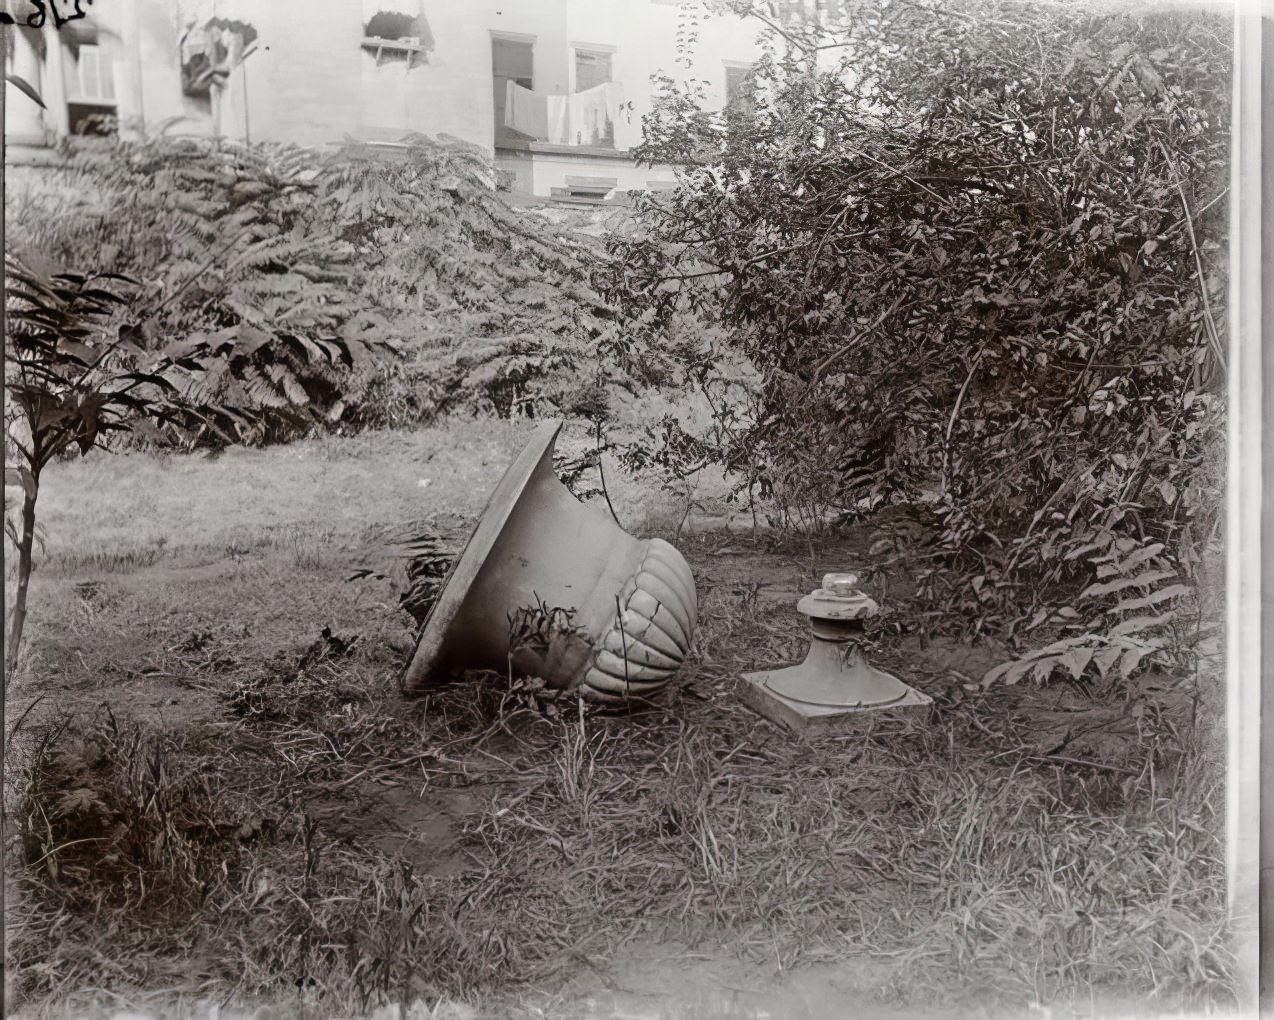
551,587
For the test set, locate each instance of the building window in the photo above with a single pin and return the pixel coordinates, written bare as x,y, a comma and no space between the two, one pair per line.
394,37
94,77
585,190
592,108
512,60
210,53
90,91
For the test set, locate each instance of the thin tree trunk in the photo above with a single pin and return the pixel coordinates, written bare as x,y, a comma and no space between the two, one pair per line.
24,577
4,332
4,394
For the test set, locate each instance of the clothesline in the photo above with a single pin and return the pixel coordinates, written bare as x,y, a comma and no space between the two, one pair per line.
579,118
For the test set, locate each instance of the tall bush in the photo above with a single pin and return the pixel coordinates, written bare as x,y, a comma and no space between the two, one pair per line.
971,255
347,289
492,305
231,254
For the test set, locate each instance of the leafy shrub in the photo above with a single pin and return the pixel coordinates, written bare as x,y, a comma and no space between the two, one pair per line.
493,307
233,260
355,289
973,263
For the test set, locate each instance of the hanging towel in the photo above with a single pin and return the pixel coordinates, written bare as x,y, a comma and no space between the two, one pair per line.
558,110
588,116
525,111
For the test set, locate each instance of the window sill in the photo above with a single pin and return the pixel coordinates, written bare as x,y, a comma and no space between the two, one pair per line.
553,149
415,52
375,42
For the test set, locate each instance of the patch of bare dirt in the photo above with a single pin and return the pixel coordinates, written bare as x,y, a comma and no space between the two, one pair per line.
423,824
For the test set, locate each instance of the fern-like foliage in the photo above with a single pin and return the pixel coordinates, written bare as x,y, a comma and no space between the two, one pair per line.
238,266
500,313
350,289
1114,623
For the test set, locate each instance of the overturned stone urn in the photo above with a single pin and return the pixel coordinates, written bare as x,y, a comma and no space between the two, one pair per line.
549,587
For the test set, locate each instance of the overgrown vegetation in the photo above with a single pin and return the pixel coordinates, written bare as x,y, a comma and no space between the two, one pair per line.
971,856
944,291
189,293
439,295
969,260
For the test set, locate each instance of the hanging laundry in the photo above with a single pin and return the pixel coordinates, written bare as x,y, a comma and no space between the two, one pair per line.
588,116
614,93
558,111
525,111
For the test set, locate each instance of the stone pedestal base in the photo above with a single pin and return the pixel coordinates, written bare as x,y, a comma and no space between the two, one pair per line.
814,719
835,685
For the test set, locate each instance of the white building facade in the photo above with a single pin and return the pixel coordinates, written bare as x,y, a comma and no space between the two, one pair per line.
553,90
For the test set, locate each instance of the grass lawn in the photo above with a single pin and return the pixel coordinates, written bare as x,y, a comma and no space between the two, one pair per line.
215,806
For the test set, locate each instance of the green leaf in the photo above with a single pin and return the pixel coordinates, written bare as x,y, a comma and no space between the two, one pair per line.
1154,598
1076,660
1037,619
1104,659
294,390
1130,660
90,411
80,800
251,338
1141,555
1141,580
1059,646
26,88
52,416
80,353
1101,543
1140,623
152,378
